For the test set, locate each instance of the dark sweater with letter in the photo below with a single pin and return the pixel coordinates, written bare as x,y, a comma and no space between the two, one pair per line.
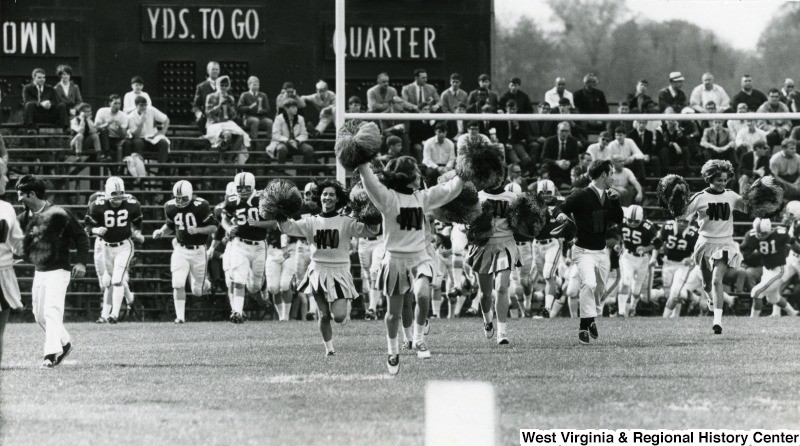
47,238
591,217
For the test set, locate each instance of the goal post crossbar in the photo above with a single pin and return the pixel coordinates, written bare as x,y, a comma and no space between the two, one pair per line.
570,117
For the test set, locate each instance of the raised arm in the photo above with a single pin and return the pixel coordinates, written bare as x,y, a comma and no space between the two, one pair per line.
441,194
380,195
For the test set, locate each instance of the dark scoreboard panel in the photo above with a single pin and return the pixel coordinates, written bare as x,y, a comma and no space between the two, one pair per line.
168,43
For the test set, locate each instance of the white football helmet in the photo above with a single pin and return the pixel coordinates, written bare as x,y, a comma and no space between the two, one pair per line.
793,209
545,186
634,214
182,192
245,184
115,190
762,227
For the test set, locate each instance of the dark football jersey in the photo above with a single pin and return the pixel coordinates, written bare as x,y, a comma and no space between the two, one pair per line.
642,235
218,212
678,246
195,215
119,221
773,249
555,229
238,211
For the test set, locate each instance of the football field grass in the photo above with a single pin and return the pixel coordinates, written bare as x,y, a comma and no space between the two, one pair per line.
269,382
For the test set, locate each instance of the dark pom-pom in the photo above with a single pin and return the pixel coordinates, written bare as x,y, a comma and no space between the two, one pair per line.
464,208
361,207
358,142
527,215
481,229
280,200
764,198
673,194
480,163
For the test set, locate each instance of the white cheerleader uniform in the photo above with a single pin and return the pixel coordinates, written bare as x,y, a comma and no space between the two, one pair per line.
328,235
501,251
405,228
715,217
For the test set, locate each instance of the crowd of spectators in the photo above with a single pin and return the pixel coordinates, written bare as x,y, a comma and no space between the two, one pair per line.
541,149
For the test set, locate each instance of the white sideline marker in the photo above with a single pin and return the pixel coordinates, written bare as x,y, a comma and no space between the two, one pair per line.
460,413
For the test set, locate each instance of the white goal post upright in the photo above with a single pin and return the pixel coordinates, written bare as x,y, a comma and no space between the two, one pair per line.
338,47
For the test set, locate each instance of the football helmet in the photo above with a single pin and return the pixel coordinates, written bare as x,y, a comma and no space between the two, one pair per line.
545,186
793,208
115,190
762,226
245,184
634,214
182,192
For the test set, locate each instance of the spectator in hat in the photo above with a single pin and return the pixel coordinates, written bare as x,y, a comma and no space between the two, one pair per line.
485,84
204,89
639,99
777,129
420,91
514,92
709,91
289,92
718,143
748,95
672,96
453,95
591,101
555,94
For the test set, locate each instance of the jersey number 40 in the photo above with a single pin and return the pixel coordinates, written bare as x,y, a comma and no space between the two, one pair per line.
183,221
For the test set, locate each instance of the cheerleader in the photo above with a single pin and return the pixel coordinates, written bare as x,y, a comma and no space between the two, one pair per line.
406,264
328,276
494,261
715,250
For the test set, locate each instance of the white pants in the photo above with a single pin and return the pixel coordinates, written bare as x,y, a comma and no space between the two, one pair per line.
366,248
771,282
280,268
186,263
246,262
49,290
548,257
593,269
634,271
116,260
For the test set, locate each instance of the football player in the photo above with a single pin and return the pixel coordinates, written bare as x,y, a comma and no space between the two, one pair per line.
247,233
100,270
678,238
639,243
117,220
218,251
192,221
773,244
548,247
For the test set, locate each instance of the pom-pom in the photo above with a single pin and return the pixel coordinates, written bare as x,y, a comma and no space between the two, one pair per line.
464,208
481,229
361,207
358,142
764,198
480,163
673,194
527,215
280,200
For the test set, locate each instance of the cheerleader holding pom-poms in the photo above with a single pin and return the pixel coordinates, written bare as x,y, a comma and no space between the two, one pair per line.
715,250
328,276
406,265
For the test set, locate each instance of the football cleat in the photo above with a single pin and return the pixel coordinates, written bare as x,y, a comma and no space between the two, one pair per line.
593,331
583,336
422,350
182,192
112,320
64,352
49,361
717,329
115,190
310,316
101,320
393,364
178,321
545,313
370,315
330,353
488,330
502,340
407,345
245,184
472,312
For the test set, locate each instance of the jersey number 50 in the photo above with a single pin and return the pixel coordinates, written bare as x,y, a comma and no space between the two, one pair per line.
112,219
241,219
